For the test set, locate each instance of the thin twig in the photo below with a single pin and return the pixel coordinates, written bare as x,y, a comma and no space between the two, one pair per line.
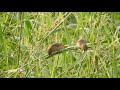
55,28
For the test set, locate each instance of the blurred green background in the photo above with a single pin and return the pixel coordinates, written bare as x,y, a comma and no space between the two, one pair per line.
25,36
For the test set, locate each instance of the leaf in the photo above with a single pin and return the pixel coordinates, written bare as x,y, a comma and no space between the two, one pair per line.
1,34
72,26
28,25
64,40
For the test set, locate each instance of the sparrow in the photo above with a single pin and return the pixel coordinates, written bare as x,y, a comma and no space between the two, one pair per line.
54,47
82,44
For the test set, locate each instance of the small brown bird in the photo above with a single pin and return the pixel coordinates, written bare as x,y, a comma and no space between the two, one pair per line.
54,47
82,44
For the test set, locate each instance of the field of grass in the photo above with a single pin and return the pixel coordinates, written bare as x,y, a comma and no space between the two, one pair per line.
25,36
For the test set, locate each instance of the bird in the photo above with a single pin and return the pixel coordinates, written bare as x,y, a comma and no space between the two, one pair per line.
54,47
82,44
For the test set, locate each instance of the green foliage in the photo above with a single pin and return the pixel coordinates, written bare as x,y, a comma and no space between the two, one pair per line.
25,36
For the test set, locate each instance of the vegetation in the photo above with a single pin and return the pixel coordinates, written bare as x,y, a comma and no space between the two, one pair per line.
25,36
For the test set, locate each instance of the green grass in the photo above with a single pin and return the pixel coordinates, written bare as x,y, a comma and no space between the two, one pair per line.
25,36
